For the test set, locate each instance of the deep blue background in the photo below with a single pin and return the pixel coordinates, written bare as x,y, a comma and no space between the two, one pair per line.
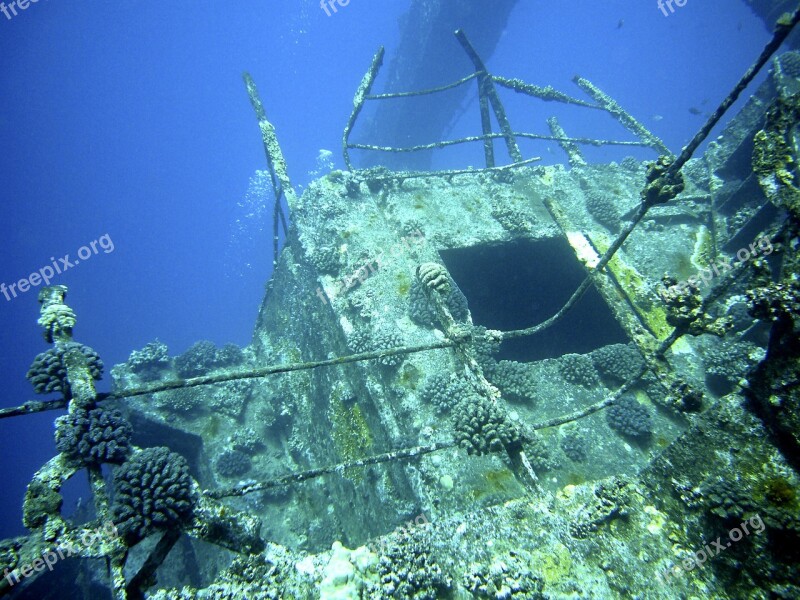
130,119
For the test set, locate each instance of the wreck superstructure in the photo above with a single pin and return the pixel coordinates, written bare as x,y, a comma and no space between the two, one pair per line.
406,371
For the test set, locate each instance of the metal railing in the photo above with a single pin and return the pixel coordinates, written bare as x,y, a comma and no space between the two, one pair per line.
489,102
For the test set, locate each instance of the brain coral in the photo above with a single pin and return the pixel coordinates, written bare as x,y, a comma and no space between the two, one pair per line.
48,372
93,436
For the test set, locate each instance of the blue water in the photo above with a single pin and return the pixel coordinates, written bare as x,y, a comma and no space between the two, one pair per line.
130,120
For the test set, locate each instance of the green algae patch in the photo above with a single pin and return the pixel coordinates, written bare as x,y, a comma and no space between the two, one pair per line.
403,285
495,486
553,566
350,433
653,315
703,255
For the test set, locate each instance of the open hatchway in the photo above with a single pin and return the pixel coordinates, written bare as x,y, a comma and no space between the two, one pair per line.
519,283
373,396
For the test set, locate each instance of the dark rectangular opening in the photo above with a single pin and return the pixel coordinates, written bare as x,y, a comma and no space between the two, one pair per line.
519,284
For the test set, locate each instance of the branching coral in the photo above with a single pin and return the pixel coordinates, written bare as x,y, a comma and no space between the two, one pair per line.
630,418
444,391
149,362
578,369
514,380
618,363
601,206
233,463
409,571
482,428
575,447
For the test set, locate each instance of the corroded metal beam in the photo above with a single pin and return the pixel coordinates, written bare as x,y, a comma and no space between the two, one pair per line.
487,90
358,102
